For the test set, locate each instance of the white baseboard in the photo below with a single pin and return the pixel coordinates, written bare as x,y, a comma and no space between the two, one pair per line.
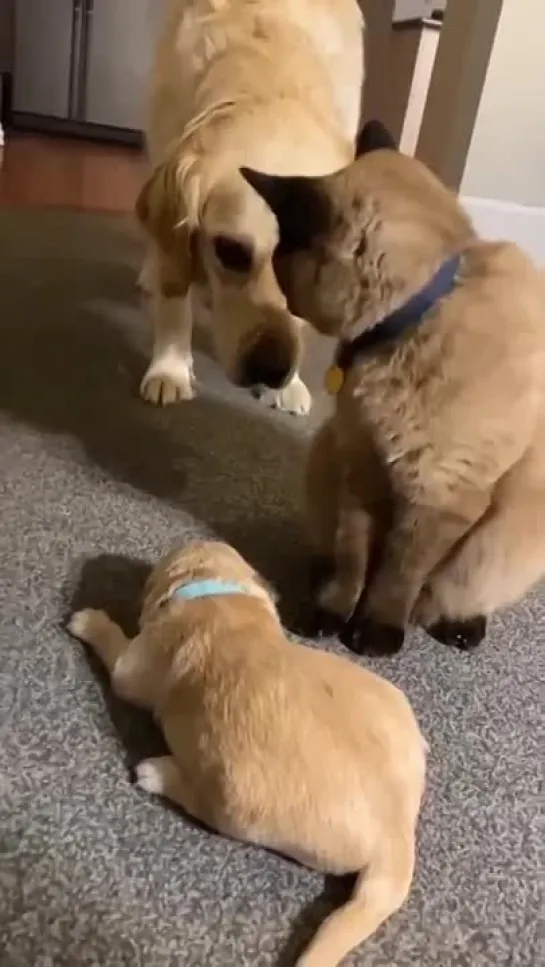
514,223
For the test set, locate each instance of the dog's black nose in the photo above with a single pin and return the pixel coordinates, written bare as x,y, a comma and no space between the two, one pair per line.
268,363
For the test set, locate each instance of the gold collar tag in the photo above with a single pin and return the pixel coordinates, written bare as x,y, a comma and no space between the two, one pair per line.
334,380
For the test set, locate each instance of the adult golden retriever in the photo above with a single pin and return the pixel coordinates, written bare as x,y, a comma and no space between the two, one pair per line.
427,488
273,84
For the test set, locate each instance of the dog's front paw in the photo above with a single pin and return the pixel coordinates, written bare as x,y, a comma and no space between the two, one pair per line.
85,624
464,635
293,398
167,382
365,636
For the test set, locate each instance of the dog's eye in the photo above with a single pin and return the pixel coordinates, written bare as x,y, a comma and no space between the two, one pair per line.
233,254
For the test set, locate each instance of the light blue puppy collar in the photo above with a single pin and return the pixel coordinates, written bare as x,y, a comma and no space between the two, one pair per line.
207,589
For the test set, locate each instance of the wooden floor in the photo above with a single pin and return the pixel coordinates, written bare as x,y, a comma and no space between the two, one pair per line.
37,172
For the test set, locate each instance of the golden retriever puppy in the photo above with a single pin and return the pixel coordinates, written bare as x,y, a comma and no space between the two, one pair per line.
271,742
427,488
274,84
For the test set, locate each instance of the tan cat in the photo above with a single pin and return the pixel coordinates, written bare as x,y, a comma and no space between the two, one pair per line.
271,742
427,487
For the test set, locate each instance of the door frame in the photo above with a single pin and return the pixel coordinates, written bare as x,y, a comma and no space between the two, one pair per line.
457,82
463,54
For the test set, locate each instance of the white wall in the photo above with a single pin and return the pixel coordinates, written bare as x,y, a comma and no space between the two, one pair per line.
506,159
507,221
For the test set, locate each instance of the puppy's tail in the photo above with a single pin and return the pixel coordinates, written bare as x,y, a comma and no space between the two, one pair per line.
380,890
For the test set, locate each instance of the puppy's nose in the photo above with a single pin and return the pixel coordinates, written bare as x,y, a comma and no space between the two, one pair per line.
268,363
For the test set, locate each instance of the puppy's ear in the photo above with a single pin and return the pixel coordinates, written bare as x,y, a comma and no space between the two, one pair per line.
374,136
160,209
300,205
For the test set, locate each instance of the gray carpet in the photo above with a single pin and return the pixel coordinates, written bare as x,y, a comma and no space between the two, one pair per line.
93,484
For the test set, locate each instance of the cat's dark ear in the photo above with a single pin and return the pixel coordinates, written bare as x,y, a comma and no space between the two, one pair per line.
374,136
299,204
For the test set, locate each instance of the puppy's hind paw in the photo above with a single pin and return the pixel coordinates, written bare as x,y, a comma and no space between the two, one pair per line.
149,776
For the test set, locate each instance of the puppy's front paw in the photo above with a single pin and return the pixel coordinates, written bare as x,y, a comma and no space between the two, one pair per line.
149,775
293,398
464,635
167,382
365,636
85,624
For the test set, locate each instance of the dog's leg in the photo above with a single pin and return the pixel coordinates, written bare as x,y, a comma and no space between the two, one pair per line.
419,538
169,377
500,559
162,776
131,674
102,634
294,398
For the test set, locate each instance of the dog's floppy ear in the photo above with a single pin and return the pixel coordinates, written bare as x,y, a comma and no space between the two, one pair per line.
160,209
374,136
299,204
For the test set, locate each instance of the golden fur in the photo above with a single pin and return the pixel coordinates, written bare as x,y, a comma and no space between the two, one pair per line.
427,487
246,713
271,83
